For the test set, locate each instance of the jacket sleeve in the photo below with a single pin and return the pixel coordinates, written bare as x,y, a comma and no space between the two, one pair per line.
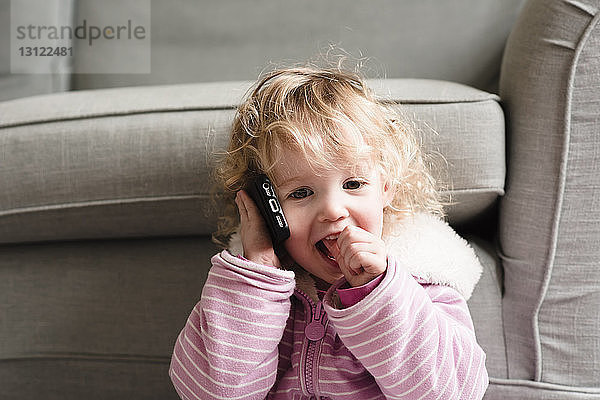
416,340
228,348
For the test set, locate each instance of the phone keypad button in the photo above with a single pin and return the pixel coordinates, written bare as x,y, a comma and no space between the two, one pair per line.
274,205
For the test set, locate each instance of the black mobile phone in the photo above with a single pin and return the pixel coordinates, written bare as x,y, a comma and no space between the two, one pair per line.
262,192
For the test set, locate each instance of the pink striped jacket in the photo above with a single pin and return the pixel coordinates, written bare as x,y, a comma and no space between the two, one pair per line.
261,333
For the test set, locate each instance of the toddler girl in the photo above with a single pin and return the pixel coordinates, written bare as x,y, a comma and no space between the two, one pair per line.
368,299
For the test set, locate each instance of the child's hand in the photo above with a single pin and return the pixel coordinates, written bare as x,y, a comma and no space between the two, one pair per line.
361,255
256,241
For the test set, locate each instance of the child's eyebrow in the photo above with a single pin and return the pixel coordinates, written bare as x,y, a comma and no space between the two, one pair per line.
289,181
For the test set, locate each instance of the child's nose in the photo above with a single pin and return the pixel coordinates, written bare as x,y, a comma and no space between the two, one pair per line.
332,210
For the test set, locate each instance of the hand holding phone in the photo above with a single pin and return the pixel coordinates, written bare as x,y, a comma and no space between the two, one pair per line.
263,228
262,192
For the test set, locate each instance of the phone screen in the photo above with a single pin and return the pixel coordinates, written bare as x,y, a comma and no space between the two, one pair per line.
262,192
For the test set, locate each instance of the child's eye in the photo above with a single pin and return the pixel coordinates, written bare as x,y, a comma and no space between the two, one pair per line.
353,184
301,193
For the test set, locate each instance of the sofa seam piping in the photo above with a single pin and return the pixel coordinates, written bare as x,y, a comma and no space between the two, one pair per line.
112,114
543,386
93,203
222,107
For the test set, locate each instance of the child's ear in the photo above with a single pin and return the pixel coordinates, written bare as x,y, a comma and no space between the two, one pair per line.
388,193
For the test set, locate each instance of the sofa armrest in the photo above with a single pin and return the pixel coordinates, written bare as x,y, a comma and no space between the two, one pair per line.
549,231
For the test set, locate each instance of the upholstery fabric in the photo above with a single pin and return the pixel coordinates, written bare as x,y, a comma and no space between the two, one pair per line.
485,306
234,40
96,319
549,229
95,164
528,390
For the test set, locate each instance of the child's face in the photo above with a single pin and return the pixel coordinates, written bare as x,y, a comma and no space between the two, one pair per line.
321,204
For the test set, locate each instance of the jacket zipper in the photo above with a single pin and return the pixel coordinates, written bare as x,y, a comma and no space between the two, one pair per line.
314,332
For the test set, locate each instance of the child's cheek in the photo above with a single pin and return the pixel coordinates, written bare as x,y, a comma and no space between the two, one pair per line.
294,215
295,224
298,228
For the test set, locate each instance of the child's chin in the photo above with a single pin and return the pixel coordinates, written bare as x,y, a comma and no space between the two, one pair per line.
331,273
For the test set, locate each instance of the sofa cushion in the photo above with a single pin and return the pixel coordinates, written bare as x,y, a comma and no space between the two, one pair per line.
136,162
96,319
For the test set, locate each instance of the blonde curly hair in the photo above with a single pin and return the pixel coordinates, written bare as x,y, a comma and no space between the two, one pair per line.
330,116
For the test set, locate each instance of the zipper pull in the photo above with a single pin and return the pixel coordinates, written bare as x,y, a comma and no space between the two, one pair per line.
315,330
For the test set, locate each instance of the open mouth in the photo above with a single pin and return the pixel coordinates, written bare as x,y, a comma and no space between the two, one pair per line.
323,249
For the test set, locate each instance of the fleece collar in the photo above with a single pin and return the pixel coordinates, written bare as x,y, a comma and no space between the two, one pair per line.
425,246
429,249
